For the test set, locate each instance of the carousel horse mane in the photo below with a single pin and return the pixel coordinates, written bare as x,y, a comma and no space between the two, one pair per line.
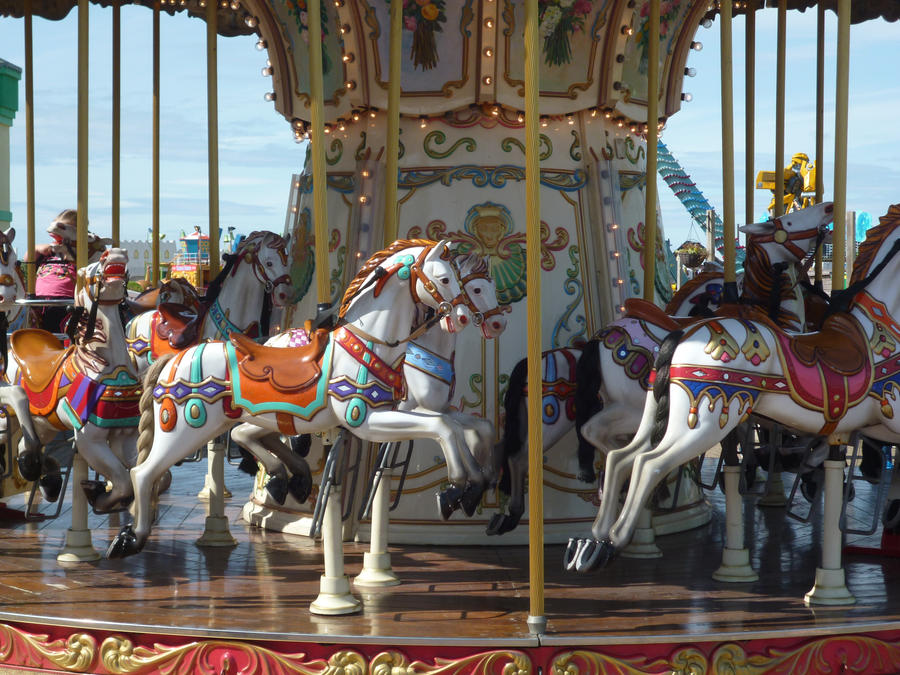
868,249
373,263
766,285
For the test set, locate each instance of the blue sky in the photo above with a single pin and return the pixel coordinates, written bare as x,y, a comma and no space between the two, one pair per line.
258,155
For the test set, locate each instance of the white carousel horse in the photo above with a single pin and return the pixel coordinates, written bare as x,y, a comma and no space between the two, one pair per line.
175,291
428,374
89,387
605,398
348,377
710,378
254,279
12,397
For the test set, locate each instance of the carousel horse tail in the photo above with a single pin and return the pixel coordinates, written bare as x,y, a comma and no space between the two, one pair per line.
661,383
588,403
146,423
512,438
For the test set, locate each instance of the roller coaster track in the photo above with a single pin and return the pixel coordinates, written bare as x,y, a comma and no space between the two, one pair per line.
690,196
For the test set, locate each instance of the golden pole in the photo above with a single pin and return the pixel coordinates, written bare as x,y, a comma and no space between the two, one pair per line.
727,150
29,147
81,252
537,622
317,147
116,116
392,143
154,208
820,120
212,126
842,94
781,46
750,111
652,133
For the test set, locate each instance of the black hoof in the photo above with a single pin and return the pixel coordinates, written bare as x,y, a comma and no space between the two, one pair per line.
277,488
571,553
93,490
51,482
493,527
593,554
448,502
811,484
301,444
124,545
29,465
587,475
300,487
470,499
248,463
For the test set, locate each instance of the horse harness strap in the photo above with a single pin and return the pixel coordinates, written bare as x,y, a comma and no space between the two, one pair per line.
376,366
787,239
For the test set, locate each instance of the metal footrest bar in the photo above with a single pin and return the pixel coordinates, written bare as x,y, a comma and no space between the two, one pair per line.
791,513
716,475
330,477
884,484
351,474
232,451
388,454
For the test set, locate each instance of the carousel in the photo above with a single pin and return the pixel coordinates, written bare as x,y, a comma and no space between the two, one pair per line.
477,222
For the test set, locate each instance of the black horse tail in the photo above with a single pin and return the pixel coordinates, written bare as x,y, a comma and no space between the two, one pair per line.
512,403
588,379
661,384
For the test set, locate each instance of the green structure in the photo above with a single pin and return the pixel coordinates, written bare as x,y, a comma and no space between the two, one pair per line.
9,103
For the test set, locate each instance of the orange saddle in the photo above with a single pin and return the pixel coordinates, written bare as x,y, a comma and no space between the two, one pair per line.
286,369
39,354
840,345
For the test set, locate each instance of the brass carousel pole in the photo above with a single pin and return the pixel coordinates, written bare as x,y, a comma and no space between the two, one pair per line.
781,46
750,110
652,148
820,122
154,198
392,142
730,292
334,585
537,622
842,93
212,125
29,147
116,116
78,545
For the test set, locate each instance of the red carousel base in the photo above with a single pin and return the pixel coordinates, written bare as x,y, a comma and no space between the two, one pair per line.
178,608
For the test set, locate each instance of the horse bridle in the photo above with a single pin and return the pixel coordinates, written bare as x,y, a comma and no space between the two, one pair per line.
478,317
781,236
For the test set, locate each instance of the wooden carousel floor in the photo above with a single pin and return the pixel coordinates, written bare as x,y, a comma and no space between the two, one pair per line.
262,588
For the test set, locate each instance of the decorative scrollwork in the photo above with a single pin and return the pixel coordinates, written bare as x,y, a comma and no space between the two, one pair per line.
485,663
497,177
362,152
507,144
439,138
337,148
688,660
476,382
75,653
575,148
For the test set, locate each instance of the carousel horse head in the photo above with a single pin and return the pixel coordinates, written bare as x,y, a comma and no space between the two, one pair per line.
180,292
267,255
9,272
104,281
480,294
426,267
789,238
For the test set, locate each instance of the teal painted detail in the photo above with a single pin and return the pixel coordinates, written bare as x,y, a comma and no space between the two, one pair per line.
407,262
6,216
356,409
123,379
304,412
10,74
195,411
104,423
74,419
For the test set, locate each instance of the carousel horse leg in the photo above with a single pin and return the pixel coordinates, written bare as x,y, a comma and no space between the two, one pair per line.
376,571
215,532
334,587
830,587
78,546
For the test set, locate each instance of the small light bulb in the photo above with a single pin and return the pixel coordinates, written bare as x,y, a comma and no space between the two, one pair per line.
269,96
697,46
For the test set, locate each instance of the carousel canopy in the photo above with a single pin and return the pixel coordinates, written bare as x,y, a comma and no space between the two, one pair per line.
594,52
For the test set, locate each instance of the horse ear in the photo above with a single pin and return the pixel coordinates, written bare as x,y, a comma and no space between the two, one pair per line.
11,234
443,248
765,227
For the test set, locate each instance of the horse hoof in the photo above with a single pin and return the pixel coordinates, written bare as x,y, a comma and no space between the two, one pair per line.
300,487
446,506
891,516
493,527
593,554
93,490
50,484
470,499
277,488
571,553
29,465
587,475
124,544
164,483
248,464
301,444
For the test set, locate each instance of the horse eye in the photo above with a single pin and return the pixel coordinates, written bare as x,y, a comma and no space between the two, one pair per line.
477,291
445,281
268,263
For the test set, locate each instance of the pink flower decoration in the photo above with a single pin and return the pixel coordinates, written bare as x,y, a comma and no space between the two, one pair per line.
582,7
409,22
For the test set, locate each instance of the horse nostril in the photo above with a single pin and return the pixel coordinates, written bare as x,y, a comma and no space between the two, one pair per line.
463,320
496,325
